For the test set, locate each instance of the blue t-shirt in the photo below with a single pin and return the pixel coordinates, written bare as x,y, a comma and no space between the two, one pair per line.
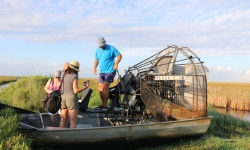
106,58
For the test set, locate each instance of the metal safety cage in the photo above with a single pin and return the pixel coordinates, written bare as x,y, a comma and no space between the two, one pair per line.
172,84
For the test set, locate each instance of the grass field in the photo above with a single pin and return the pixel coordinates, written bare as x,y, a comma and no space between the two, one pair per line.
229,95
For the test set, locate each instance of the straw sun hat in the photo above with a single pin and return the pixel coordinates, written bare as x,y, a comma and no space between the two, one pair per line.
75,65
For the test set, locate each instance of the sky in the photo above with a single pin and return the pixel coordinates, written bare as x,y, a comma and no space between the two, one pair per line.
38,36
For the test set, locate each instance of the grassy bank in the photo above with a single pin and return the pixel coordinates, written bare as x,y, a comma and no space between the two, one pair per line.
10,139
28,92
224,133
229,95
8,79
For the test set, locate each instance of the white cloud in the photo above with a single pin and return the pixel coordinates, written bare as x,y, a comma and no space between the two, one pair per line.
142,52
149,23
136,28
16,63
52,64
222,74
219,68
247,73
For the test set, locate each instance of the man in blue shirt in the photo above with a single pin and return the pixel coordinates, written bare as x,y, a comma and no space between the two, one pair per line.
105,56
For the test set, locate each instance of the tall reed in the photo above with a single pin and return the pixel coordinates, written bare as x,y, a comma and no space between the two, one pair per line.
229,95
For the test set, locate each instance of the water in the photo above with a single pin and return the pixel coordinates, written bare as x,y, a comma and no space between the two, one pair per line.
244,115
4,85
7,84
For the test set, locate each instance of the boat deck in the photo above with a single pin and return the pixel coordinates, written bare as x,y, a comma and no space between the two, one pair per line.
87,119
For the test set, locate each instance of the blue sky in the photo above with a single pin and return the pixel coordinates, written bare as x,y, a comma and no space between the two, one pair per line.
38,36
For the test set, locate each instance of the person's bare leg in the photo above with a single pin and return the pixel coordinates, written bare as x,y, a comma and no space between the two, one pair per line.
105,94
101,92
64,118
73,117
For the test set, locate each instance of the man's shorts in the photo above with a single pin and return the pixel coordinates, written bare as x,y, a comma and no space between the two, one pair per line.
106,77
69,101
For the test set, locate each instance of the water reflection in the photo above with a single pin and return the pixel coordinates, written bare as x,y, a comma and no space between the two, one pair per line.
244,115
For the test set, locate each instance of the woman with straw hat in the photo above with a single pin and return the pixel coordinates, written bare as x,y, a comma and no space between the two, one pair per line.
69,104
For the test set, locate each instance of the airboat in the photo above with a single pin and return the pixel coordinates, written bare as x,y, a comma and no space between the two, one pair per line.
161,97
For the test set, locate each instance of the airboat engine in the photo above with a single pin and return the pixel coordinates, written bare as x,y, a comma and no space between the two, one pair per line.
170,85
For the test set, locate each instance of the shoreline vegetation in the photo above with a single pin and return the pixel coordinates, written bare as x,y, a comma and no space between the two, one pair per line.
8,79
10,138
224,132
229,95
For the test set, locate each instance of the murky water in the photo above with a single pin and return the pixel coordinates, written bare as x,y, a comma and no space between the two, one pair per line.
244,115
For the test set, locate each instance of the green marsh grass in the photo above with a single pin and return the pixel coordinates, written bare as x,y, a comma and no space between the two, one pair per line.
227,126
10,138
212,143
28,92
224,133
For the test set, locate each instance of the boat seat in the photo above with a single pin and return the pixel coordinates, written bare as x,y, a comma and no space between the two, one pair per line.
123,86
163,65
